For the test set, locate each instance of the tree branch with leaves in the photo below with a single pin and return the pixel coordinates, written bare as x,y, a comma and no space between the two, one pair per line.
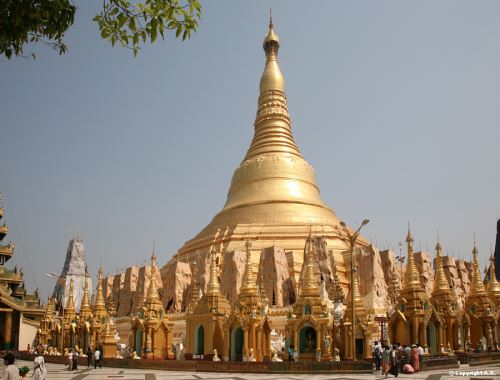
130,23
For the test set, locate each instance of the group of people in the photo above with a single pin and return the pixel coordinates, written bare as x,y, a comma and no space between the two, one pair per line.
391,358
94,357
11,371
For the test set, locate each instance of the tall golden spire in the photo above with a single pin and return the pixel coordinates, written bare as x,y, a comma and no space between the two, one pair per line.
358,302
85,310
477,286
99,305
70,305
273,187
273,133
248,284
441,282
310,283
411,277
213,282
152,297
493,287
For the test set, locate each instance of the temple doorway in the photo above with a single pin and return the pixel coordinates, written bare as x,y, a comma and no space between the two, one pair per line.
138,342
360,348
432,337
307,339
199,340
237,344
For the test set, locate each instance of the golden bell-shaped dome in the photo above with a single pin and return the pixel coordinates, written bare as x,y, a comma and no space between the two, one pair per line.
274,196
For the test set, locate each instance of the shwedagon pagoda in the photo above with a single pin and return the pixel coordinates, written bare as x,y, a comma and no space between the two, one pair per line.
272,270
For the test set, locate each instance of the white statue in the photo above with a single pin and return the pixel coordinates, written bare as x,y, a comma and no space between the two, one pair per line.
251,357
216,357
276,358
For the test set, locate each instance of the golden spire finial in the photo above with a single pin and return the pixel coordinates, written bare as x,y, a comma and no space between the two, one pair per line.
99,299
270,18
213,283
85,305
153,289
310,283
412,277
248,282
493,284
441,282
272,78
477,286
70,305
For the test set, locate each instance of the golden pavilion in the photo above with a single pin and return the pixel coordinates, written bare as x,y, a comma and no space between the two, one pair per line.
20,311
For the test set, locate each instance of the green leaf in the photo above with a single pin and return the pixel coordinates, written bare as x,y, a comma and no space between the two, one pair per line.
154,33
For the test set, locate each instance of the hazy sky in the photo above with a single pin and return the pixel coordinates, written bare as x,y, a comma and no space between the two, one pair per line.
396,104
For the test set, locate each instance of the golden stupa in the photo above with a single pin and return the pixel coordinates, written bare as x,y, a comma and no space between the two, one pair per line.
274,198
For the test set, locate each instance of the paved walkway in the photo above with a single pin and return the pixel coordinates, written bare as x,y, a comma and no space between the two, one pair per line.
59,372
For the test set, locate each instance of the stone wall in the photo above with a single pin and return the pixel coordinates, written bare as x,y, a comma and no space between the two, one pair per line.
176,277
234,266
276,281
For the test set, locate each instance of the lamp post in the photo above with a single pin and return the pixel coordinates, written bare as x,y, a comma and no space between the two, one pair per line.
401,259
351,240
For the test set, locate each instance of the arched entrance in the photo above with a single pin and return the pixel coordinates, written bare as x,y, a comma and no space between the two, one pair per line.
432,337
237,344
307,339
138,342
199,340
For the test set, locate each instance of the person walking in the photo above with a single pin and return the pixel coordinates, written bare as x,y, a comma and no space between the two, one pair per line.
89,358
70,360
394,361
75,360
11,372
420,354
97,358
377,355
386,361
39,370
415,359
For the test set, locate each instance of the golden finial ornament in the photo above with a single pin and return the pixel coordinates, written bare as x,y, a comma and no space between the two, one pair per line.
152,296
248,283
411,276
477,286
441,282
213,282
99,311
310,283
493,284
85,309
99,297
70,305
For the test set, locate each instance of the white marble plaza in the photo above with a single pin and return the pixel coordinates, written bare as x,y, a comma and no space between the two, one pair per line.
59,372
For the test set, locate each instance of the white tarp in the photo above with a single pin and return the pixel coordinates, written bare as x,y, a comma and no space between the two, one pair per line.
74,268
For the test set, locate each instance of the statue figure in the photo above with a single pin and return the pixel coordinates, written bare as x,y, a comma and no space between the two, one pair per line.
326,342
336,355
449,350
148,344
318,354
118,356
251,357
275,357
216,357
134,355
